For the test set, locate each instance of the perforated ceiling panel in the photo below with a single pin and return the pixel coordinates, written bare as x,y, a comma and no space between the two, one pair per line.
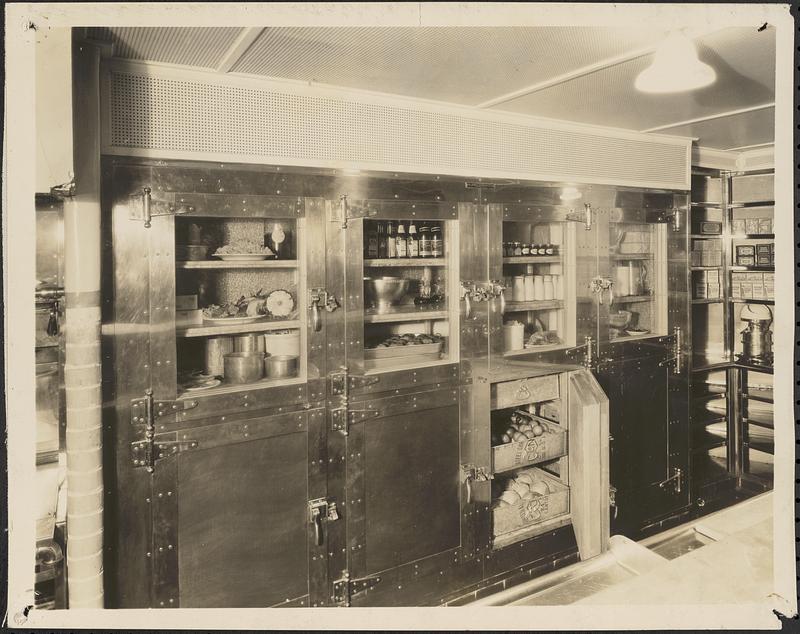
464,65
171,116
191,46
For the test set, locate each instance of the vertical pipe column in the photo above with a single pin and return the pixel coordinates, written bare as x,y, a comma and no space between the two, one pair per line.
82,372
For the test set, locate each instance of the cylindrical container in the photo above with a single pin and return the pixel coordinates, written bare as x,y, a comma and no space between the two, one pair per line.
282,343
518,290
538,287
248,343
216,349
558,286
549,289
243,367
513,336
529,288
281,366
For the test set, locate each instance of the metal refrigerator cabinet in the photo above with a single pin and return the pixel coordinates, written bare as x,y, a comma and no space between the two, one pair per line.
338,486
618,303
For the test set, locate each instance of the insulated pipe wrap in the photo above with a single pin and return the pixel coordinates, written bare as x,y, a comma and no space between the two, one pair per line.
82,368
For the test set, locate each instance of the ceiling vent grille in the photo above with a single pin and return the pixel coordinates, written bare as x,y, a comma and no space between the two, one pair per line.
167,117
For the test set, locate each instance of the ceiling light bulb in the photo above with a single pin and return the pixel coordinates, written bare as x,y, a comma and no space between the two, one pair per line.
675,68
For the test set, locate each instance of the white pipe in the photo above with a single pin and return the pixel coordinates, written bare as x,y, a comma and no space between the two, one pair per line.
82,371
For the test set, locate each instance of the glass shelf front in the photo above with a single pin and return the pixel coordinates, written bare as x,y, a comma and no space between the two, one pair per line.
238,283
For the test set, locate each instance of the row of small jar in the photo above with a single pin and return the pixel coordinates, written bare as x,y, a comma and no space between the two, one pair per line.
512,249
535,288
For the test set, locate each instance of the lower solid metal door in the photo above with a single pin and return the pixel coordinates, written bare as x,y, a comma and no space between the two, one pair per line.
648,459
231,515
403,500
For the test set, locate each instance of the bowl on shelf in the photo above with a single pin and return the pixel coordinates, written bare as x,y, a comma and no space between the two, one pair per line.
385,292
620,319
191,252
281,366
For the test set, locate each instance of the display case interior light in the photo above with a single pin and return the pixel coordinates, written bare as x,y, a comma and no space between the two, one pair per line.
675,68
570,193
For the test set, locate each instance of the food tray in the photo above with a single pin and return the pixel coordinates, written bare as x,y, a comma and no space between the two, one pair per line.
429,350
524,391
231,321
550,445
511,517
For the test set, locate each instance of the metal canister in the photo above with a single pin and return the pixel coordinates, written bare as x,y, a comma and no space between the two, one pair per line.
248,343
216,349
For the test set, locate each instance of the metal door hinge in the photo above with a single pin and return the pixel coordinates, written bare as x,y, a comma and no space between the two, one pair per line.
586,216
147,451
676,480
143,207
343,417
342,382
319,510
344,211
345,588
677,351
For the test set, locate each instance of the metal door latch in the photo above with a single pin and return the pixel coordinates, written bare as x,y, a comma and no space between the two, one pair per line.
345,588
600,284
147,208
612,500
320,298
320,510
676,479
469,474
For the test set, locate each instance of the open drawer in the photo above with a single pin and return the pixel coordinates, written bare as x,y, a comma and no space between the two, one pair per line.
549,445
531,498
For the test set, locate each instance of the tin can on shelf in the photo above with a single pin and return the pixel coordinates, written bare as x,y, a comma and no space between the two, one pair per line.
216,349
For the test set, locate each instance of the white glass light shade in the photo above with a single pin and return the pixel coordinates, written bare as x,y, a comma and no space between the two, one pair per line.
675,68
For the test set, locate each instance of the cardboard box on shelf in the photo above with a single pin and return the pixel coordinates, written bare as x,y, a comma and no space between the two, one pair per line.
739,226
769,291
736,289
765,225
713,291
764,247
746,289
752,225
745,260
758,291
764,259
701,291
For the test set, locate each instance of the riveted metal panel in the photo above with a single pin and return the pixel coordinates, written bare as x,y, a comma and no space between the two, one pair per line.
252,551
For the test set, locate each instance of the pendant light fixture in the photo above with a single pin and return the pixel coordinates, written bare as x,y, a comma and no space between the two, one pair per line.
675,68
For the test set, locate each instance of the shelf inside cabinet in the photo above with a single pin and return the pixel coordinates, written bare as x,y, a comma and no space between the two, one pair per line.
532,259
207,330
631,299
704,363
404,313
767,446
709,300
547,304
753,236
751,203
631,256
704,440
753,267
535,349
705,268
227,264
745,300
240,387
705,236
404,262
507,539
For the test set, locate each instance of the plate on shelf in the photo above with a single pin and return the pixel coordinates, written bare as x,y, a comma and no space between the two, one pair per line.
243,257
633,332
202,385
232,321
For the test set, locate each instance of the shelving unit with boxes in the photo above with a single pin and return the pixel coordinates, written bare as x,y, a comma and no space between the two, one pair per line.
732,272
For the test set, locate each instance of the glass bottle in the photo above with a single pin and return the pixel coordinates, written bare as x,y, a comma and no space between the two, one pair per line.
517,249
437,244
425,250
391,241
526,249
413,240
372,242
402,241
383,243
549,250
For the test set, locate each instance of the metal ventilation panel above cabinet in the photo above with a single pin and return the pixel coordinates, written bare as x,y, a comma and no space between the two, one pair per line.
174,113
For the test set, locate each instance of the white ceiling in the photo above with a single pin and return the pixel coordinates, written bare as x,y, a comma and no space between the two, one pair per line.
583,74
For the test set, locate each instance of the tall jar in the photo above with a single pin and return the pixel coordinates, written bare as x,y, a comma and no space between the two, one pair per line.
549,290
